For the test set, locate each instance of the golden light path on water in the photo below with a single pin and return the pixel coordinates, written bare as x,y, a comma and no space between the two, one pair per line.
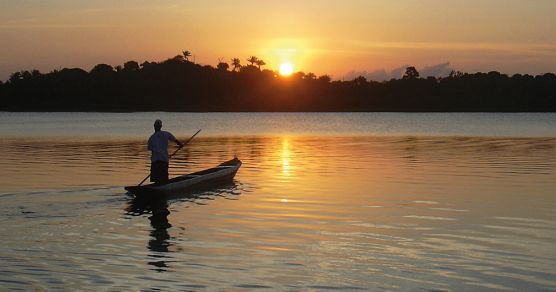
305,212
285,157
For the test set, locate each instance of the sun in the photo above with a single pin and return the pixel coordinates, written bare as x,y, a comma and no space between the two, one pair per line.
286,69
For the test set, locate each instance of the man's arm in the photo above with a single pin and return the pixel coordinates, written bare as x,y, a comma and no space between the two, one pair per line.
172,138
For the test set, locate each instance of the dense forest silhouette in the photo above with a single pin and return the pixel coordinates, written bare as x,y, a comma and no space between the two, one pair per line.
178,84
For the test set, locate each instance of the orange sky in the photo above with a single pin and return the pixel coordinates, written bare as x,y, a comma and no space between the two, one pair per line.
325,37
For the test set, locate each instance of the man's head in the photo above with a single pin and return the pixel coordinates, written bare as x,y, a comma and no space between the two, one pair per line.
157,125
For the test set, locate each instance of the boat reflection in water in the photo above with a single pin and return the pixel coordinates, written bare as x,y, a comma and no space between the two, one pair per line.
160,242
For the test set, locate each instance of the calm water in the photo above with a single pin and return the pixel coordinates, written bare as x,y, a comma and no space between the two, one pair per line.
350,201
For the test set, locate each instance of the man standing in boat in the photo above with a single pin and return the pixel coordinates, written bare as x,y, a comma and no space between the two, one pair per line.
158,145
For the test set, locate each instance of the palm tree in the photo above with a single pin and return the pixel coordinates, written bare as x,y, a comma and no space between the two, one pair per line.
252,60
186,55
260,63
236,63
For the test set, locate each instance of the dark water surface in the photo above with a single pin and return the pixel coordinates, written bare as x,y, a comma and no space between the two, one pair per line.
323,201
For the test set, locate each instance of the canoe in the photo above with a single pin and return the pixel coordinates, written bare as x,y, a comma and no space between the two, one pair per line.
204,179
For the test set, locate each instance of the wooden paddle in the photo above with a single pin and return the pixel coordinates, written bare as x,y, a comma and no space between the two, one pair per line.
179,148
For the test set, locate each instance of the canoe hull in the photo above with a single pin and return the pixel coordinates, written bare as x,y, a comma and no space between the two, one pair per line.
208,178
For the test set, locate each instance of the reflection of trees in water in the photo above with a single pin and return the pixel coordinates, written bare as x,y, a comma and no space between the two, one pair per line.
159,243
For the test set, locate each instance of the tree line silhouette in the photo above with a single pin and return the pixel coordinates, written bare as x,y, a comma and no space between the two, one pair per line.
178,84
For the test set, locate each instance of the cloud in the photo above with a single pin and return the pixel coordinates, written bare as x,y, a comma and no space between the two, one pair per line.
398,72
438,70
377,75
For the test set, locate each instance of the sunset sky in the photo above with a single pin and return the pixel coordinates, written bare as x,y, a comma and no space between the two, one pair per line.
369,37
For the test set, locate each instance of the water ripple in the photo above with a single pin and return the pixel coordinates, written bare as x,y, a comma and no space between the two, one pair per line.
305,213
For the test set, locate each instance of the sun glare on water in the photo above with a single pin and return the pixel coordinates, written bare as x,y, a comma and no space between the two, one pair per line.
286,69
